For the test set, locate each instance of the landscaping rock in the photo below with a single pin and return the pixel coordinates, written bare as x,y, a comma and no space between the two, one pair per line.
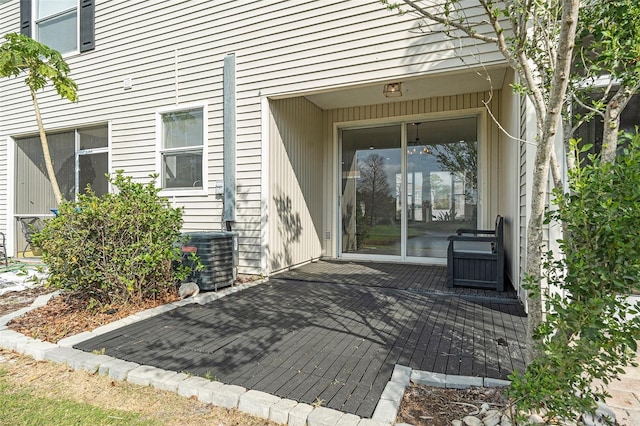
492,418
472,421
536,419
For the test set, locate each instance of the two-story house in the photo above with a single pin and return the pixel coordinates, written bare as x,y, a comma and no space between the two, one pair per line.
322,128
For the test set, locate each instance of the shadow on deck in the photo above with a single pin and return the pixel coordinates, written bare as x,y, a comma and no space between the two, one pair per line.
331,332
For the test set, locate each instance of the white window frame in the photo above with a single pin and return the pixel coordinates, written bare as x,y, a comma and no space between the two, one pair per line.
160,149
77,153
80,152
483,175
36,21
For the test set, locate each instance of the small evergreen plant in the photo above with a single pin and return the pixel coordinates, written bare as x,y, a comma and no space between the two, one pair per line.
116,249
590,330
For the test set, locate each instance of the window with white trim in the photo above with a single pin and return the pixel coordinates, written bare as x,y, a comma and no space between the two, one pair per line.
64,25
57,24
182,149
80,159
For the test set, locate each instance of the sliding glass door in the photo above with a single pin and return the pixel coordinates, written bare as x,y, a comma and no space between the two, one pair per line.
442,183
405,188
371,191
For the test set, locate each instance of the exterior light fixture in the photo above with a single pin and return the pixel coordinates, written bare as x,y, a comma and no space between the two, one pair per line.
392,90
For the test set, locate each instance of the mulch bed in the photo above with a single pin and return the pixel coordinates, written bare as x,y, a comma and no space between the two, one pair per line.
432,406
67,315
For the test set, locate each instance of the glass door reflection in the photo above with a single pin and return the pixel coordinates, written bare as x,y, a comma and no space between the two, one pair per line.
371,191
442,183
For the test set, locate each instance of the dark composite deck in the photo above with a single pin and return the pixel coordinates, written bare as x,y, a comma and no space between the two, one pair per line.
332,332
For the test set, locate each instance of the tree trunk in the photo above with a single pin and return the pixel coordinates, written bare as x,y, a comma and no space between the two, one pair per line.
612,122
546,140
45,151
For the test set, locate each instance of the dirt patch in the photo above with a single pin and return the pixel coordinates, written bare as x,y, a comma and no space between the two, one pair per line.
70,314
49,380
431,406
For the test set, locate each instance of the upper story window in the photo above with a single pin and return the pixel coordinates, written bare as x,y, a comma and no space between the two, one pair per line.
57,24
182,149
64,25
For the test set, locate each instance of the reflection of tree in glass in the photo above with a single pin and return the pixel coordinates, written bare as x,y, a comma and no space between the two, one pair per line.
461,158
374,189
441,192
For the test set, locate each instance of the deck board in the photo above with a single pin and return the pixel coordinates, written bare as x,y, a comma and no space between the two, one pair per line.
332,332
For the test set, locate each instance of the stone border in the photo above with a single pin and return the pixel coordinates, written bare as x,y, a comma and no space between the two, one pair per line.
391,398
387,409
261,404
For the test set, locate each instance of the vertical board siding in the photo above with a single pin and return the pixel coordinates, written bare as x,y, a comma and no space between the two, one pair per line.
523,188
509,178
173,52
295,196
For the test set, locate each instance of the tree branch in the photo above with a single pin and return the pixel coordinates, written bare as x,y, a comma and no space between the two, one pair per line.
555,170
448,22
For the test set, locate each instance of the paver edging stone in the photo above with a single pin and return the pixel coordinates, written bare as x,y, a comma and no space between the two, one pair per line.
349,420
206,392
170,384
279,412
120,370
323,416
71,341
44,299
35,348
191,386
298,415
387,409
5,319
145,374
228,396
92,364
371,422
257,403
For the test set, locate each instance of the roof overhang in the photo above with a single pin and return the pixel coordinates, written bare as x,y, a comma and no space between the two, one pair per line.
428,86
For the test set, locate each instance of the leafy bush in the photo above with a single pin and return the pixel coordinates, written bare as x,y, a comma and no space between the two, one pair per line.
590,329
119,248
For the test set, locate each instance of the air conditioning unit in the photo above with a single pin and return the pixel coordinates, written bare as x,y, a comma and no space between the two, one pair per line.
218,253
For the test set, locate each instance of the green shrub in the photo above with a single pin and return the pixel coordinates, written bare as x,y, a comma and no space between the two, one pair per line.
119,248
590,330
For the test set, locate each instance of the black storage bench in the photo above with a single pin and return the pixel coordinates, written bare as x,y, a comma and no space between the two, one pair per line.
475,258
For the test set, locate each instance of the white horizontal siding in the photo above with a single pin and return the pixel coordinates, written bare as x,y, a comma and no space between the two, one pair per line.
173,52
8,23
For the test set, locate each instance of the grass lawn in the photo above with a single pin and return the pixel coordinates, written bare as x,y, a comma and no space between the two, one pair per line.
383,235
19,406
45,393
